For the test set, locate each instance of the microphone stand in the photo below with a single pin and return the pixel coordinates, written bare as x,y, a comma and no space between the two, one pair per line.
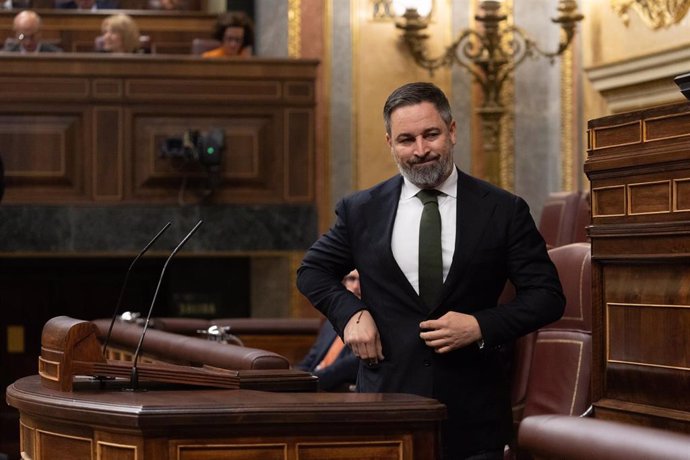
124,285
134,378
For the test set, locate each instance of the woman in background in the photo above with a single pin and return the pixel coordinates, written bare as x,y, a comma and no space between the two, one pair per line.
120,34
235,32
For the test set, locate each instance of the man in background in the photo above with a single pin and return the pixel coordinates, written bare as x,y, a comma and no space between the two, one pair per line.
90,5
328,359
27,33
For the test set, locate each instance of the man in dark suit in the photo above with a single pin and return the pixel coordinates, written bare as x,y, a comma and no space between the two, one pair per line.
328,359
447,346
27,31
91,5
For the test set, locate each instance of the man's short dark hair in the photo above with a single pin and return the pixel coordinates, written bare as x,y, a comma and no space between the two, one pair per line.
416,93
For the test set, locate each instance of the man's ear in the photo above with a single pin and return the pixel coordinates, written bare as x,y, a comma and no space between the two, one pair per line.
452,129
388,140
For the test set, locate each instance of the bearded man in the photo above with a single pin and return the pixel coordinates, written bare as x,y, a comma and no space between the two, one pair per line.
434,248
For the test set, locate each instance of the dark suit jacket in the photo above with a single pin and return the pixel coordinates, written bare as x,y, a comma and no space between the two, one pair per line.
43,47
496,240
100,5
339,375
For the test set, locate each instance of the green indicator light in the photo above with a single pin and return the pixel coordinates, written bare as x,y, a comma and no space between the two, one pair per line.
210,150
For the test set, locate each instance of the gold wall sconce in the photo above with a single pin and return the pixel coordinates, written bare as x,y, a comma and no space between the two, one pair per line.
490,54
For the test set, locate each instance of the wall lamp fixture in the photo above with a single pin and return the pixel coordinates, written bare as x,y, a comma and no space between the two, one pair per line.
490,54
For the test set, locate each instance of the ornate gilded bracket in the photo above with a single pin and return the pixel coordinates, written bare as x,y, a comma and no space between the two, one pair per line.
656,14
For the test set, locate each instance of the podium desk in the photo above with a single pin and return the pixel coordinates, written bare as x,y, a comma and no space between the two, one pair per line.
106,422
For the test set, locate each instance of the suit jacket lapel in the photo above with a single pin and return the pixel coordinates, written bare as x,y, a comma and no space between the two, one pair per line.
473,214
381,211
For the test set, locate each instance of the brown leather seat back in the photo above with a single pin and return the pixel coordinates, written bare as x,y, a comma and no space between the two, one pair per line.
557,221
561,361
560,437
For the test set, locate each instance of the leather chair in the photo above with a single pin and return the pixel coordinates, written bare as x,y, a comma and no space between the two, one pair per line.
553,374
561,362
583,219
562,212
561,437
201,45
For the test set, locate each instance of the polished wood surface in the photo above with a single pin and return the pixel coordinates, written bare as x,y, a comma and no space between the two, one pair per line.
85,128
101,422
639,168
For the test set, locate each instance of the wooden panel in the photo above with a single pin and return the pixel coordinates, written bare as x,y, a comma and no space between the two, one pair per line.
248,170
44,89
612,136
109,148
299,142
667,127
681,194
232,452
649,197
641,266
391,450
209,90
638,346
42,153
58,446
111,451
107,153
608,201
27,436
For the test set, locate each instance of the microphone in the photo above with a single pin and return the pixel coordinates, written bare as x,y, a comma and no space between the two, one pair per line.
124,285
134,378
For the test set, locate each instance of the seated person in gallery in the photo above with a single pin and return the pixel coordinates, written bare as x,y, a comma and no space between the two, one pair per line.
235,32
120,34
27,33
169,5
87,5
329,359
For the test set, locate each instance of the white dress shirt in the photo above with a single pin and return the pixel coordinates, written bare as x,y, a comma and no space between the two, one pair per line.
405,241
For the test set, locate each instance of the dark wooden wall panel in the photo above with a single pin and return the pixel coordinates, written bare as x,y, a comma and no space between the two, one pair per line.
43,155
107,153
95,125
639,167
300,155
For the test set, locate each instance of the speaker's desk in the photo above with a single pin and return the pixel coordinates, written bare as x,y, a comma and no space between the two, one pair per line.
181,423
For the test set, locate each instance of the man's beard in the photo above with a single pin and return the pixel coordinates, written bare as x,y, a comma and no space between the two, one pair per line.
430,175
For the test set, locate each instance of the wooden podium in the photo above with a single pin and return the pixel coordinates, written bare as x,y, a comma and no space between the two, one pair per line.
177,413
639,167
93,422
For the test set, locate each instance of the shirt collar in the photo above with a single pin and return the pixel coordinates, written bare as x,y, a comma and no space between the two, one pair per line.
448,187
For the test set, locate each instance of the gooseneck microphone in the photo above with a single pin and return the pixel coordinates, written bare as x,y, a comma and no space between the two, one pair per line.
134,378
124,285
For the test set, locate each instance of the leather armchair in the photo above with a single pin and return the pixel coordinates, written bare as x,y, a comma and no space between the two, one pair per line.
561,437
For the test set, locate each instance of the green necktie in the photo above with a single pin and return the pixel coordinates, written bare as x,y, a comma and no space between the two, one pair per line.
430,258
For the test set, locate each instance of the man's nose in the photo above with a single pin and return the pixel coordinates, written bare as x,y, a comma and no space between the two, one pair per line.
421,147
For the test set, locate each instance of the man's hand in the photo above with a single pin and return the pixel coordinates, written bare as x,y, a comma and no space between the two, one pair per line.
451,331
362,336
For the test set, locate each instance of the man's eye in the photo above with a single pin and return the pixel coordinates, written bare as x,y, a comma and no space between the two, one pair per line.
431,135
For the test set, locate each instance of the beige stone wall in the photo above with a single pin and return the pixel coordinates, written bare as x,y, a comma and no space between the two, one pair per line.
381,65
638,61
